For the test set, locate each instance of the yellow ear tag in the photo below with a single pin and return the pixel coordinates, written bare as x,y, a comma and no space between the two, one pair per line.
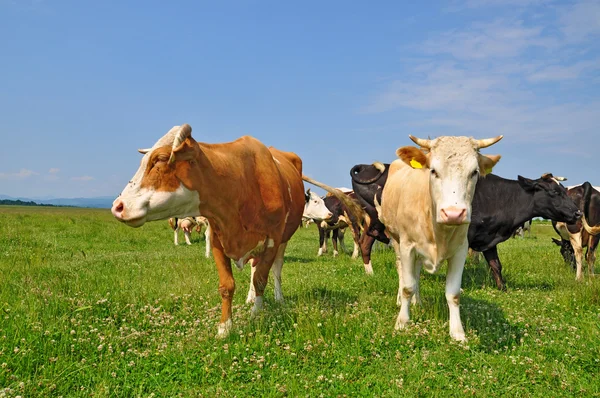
415,164
488,171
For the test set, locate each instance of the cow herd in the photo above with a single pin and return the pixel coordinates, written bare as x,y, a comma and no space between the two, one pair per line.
432,204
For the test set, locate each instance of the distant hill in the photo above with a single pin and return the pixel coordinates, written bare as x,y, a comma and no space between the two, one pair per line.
102,202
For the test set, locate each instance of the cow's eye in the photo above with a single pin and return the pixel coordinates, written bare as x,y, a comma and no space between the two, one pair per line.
474,173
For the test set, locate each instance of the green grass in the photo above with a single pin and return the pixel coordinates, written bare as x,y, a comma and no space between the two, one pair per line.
91,307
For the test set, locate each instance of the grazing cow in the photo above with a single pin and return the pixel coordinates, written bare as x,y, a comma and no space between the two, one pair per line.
315,208
499,207
368,182
336,225
253,197
526,226
426,208
584,233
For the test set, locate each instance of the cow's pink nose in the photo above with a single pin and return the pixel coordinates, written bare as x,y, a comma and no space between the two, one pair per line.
117,209
329,215
454,215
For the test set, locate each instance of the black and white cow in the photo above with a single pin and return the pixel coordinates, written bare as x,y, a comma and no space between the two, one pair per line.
499,207
341,219
583,233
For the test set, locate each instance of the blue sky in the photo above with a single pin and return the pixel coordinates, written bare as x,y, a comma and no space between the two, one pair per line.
84,84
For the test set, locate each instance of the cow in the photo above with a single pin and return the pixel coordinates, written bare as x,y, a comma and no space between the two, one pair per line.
584,233
187,224
368,182
426,208
336,225
499,207
253,197
315,208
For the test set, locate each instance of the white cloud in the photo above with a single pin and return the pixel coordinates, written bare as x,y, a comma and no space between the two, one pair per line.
82,178
485,79
21,174
53,170
581,21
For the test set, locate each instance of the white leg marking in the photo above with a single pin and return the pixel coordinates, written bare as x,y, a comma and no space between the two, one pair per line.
224,329
576,243
258,305
207,240
277,266
369,268
251,292
187,237
320,253
175,238
335,253
355,252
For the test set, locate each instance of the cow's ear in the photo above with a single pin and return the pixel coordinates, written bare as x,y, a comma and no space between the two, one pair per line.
487,163
307,195
527,184
413,157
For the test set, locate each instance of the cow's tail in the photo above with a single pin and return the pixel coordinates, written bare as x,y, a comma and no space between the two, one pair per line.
587,199
352,205
173,223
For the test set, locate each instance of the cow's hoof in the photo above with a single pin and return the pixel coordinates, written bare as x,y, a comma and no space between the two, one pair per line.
369,269
224,329
258,306
335,253
320,253
401,324
459,336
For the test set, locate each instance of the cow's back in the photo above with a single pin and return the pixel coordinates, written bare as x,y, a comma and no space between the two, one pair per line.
290,169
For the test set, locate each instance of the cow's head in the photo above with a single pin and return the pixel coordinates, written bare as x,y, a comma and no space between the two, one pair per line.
314,207
163,185
550,199
454,165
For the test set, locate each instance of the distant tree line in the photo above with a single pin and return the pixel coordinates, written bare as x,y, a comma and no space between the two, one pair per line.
7,202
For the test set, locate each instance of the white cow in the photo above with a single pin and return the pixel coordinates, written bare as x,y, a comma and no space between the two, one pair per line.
426,207
314,208
187,224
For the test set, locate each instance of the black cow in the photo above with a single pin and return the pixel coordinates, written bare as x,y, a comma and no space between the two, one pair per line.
500,206
368,182
583,233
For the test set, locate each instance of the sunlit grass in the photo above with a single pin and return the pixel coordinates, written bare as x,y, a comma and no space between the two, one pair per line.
92,307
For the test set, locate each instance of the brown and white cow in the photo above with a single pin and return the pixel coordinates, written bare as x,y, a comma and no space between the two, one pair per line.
583,233
188,224
426,208
253,197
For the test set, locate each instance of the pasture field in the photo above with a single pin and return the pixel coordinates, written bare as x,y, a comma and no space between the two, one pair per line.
91,307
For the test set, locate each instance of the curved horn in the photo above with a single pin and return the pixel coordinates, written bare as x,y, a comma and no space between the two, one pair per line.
144,151
185,131
486,142
423,143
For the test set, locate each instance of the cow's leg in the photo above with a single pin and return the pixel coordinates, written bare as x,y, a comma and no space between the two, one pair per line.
591,253
366,245
355,229
456,264
336,235
416,299
396,246
251,292
207,240
277,266
493,261
578,250
176,237
186,233
226,287
260,278
407,285
322,243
